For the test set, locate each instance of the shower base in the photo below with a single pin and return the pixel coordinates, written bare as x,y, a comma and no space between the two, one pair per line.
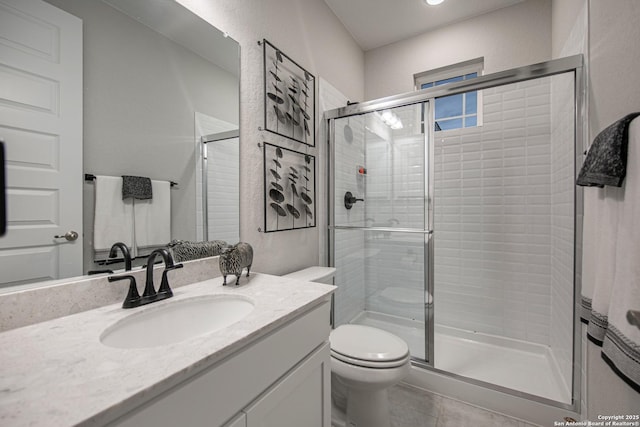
514,364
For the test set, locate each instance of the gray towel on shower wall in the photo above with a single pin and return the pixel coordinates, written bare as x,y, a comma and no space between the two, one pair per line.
606,162
137,187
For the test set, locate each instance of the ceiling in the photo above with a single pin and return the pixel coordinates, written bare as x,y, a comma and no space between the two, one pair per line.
375,23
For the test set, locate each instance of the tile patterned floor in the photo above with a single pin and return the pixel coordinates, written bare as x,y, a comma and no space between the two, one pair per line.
412,407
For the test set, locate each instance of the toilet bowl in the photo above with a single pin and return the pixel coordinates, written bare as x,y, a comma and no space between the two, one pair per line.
365,362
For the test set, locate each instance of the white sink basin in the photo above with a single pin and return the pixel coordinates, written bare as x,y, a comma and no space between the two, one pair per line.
176,321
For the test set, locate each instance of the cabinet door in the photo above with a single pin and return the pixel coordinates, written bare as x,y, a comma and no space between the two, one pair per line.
302,398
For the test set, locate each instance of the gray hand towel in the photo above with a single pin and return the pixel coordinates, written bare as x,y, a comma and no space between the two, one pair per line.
137,187
606,162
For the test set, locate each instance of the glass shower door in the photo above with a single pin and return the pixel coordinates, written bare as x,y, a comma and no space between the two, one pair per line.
502,197
504,215
381,223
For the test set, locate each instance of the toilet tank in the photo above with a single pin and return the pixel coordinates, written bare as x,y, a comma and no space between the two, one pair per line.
314,274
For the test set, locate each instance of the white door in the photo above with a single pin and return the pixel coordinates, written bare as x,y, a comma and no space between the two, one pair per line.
41,125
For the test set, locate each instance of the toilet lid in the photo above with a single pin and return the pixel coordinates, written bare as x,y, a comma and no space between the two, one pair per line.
367,346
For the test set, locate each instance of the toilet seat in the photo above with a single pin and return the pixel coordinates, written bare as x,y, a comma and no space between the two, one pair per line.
368,363
368,347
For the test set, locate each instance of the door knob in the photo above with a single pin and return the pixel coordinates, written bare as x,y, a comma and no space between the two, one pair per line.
69,235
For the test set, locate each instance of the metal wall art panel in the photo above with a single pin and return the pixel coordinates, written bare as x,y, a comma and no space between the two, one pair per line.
289,97
289,189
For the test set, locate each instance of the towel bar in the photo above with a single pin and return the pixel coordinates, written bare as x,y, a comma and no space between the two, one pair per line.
91,177
633,317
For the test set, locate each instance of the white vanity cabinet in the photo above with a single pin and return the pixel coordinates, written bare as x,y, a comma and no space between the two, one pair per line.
281,379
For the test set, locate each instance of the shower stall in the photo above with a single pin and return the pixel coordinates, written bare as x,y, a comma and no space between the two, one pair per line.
464,242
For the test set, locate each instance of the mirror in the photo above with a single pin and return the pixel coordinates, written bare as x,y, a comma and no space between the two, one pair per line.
158,82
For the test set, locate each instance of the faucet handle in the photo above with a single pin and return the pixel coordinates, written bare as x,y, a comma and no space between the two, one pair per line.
165,289
133,297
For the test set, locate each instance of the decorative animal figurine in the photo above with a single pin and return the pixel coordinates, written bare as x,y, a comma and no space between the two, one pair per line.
233,259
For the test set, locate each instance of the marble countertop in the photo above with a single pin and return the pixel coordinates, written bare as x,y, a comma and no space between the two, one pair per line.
58,373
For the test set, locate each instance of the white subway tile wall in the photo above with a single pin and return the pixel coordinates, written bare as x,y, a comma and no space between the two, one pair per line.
329,97
492,217
207,125
349,245
223,191
395,197
395,275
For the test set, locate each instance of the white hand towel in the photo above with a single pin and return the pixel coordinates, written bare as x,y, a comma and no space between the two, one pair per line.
113,217
605,232
591,234
611,270
621,347
153,217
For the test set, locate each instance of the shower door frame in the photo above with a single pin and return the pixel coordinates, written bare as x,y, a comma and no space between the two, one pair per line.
427,116
550,68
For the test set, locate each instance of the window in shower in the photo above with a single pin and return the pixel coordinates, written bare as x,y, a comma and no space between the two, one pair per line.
455,111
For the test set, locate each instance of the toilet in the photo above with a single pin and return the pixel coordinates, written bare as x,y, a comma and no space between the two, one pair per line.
365,362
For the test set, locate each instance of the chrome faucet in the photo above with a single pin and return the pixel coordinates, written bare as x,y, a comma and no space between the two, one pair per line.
126,254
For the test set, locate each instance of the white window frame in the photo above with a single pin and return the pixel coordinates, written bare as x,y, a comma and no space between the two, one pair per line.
455,70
